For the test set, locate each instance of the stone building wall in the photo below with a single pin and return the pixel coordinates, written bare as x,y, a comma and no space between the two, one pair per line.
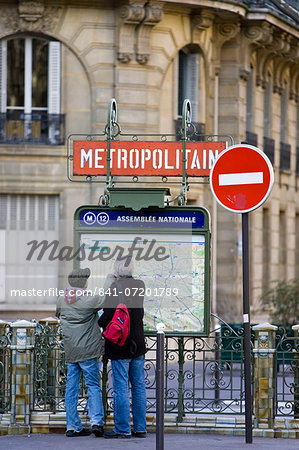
129,50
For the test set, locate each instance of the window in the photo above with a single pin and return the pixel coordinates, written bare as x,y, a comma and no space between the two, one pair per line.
285,149
282,245
266,248
30,91
189,71
283,114
188,82
24,218
249,101
268,142
267,107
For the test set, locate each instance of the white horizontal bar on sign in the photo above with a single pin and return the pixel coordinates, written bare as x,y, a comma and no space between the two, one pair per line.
230,179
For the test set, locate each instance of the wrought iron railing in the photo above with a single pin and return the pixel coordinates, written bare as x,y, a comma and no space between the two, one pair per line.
49,369
287,9
202,375
287,388
40,128
269,148
5,369
285,156
198,378
251,138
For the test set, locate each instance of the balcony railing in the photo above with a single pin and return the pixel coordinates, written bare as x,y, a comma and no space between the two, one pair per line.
269,148
37,128
287,9
251,138
285,156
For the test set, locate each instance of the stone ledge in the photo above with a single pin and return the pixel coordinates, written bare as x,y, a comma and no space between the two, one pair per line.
47,422
169,428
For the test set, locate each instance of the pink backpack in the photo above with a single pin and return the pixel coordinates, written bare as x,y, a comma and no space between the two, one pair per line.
118,329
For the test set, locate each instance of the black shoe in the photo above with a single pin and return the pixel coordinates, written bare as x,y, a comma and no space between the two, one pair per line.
83,432
113,435
97,430
139,434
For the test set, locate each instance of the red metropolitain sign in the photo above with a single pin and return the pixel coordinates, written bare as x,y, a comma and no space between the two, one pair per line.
145,158
242,178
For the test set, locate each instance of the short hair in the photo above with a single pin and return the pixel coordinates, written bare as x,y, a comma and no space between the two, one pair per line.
123,267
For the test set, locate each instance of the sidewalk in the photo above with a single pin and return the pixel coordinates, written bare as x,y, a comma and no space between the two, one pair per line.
171,442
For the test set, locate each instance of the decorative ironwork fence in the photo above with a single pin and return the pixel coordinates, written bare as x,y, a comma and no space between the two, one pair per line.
38,128
202,375
49,369
196,378
5,368
287,376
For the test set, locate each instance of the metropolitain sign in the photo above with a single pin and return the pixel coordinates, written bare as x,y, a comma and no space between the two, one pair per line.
145,158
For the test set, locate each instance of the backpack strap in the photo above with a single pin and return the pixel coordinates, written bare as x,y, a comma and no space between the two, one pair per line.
120,292
121,297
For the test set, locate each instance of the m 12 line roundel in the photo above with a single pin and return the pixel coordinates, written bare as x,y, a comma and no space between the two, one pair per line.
242,178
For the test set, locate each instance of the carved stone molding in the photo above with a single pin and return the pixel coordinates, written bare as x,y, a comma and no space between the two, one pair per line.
202,21
244,73
153,15
29,16
259,81
136,20
280,44
293,53
129,16
227,31
223,32
259,33
31,11
277,89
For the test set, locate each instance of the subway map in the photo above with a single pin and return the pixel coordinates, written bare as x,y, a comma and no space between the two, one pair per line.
172,268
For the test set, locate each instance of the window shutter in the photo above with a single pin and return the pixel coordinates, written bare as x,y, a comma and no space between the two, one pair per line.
3,75
249,101
283,114
188,82
25,218
192,71
267,108
54,73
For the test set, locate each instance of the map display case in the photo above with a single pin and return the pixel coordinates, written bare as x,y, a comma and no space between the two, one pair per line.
170,250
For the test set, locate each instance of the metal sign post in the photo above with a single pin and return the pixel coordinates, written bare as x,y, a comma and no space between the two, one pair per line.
246,322
241,181
160,387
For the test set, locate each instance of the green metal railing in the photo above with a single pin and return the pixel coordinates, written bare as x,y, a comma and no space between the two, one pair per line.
202,375
196,378
5,368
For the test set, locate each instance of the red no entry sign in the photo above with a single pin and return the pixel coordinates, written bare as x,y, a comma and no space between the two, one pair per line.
242,178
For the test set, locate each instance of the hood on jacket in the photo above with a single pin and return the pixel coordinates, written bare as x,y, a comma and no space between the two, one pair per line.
72,294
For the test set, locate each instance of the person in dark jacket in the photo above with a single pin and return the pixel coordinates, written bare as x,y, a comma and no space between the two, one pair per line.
83,345
128,361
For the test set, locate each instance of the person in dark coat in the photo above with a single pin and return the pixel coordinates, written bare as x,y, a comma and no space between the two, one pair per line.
128,361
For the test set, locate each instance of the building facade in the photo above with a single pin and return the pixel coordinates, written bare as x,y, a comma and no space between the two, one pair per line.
61,61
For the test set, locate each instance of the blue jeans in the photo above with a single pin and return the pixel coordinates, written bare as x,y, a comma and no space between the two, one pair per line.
91,373
123,371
